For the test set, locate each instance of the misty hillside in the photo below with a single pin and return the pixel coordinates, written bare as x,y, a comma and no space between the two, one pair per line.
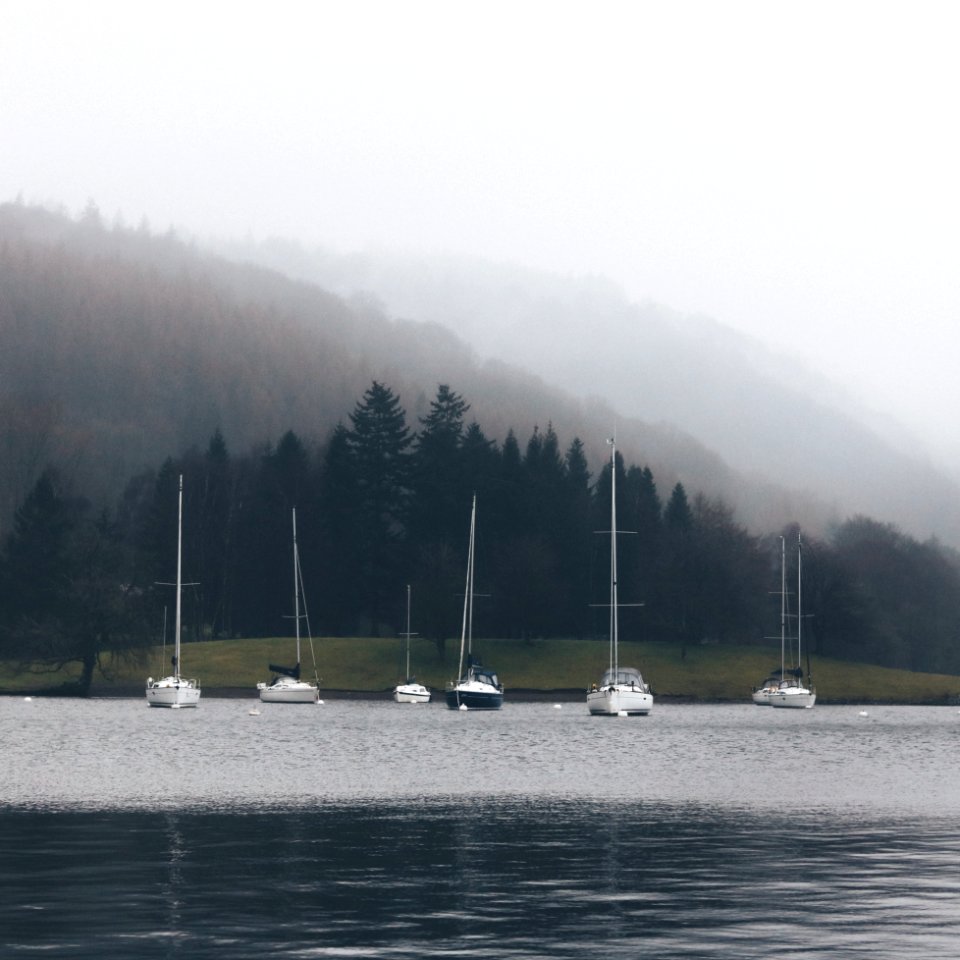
121,348
779,424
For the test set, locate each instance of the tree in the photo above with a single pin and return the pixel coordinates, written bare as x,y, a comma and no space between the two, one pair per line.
380,442
438,479
64,596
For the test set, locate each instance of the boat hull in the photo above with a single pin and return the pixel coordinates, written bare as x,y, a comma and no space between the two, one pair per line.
173,692
288,691
762,696
796,698
411,693
474,696
614,701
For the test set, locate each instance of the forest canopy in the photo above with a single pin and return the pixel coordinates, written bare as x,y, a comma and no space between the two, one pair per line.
385,502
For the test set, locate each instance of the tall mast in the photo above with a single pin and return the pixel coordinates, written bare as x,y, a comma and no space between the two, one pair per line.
176,631
614,619
408,632
296,585
799,600
466,634
783,606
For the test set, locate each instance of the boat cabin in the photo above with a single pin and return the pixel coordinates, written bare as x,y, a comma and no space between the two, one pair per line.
624,677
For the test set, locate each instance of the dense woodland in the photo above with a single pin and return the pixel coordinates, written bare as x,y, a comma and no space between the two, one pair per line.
121,348
385,502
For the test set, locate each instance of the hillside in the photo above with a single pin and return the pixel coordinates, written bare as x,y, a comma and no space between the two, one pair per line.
783,427
121,348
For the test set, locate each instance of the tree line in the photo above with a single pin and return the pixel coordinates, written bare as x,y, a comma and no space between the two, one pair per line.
382,504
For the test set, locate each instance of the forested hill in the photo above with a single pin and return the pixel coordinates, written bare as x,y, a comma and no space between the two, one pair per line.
121,348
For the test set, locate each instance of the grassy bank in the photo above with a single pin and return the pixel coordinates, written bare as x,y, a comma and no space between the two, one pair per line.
708,673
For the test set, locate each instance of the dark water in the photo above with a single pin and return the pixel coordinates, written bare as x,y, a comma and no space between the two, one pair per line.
381,830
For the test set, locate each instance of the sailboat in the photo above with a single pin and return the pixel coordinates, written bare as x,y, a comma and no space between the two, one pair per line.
621,690
478,687
286,685
792,692
410,691
175,691
761,694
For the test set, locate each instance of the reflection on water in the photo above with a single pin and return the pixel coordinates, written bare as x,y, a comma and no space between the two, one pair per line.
370,830
491,879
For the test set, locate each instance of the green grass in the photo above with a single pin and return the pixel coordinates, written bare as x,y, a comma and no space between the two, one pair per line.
710,673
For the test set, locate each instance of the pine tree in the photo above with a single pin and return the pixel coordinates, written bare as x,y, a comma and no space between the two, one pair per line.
380,442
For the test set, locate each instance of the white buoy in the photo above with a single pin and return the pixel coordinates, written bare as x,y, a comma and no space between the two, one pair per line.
863,713
463,706
622,713
255,712
27,699
558,706
319,702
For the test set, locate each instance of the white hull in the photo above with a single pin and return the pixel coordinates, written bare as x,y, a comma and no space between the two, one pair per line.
411,693
762,696
173,692
474,695
797,698
613,701
288,690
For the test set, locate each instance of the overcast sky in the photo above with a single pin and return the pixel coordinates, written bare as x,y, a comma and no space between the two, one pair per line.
790,169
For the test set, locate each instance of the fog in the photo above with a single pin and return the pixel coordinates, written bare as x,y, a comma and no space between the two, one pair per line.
786,169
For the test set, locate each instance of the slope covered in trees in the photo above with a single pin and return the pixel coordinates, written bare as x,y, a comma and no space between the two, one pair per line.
121,346
385,502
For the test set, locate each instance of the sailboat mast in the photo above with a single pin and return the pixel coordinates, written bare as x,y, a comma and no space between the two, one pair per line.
296,584
799,600
466,633
614,619
783,606
408,632
176,630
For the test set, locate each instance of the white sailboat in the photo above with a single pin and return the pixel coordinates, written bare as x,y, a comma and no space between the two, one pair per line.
175,691
478,687
410,691
622,690
792,692
761,695
286,685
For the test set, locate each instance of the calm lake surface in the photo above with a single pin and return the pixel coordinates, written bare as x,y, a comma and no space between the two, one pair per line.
373,829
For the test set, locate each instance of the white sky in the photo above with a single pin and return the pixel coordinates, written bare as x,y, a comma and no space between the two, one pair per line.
790,168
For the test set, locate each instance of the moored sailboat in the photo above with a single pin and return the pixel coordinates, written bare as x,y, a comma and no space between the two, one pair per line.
761,694
174,690
478,688
286,685
410,691
792,691
621,690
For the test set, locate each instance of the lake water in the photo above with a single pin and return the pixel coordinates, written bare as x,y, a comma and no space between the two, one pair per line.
378,830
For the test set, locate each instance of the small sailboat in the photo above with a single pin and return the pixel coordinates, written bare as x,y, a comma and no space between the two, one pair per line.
286,685
175,691
410,691
792,692
761,694
621,690
478,687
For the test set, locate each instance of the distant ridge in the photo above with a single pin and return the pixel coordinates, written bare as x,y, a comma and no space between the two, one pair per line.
122,348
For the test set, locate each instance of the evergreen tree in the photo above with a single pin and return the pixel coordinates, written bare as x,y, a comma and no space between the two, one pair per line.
339,602
63,594
678,564
575,541
380,442
437,470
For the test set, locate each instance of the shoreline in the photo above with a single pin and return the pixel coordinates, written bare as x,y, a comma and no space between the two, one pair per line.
517,695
